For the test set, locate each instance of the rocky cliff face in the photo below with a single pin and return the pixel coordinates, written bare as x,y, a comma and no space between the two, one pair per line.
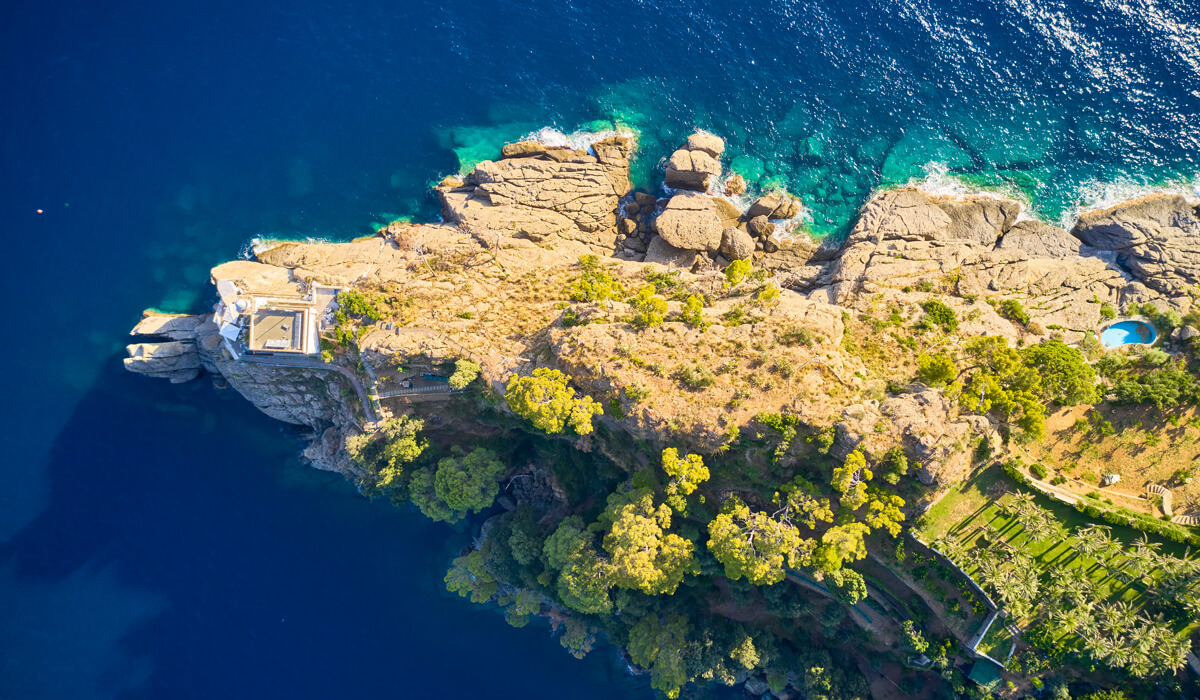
494,283
544,194
969,248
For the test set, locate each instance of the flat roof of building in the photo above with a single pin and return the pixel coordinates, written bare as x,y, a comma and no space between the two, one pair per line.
277,330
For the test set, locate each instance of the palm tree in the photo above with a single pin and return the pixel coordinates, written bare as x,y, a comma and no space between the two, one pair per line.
1119,617
1023,502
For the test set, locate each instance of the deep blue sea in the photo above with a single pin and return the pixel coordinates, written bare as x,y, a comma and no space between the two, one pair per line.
163,541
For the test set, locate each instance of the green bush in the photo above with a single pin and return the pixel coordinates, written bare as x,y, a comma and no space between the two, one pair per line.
1039,470
1013,311
353,302
1107,312
695,378
939,314
737,271
798,336
649,308
637,393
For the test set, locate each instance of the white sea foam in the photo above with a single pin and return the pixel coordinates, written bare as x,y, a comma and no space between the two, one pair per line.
939,182
1102,195
253,247
579,140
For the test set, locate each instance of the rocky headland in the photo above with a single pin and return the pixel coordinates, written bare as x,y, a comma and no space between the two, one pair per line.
492,279
702,321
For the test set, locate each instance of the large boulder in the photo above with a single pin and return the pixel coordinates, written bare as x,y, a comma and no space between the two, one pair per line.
736,244
663,253
690,221
774,205
760,227
1157,239
691,170
176,360
711,144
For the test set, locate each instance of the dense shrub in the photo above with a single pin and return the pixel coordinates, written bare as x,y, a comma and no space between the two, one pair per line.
1013,311
938,314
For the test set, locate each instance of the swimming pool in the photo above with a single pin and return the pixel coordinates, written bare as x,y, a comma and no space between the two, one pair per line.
1128,333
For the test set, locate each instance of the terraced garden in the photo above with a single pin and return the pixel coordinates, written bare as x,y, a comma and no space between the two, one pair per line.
1112,594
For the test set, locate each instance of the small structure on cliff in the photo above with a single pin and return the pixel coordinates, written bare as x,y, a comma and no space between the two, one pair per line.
262,313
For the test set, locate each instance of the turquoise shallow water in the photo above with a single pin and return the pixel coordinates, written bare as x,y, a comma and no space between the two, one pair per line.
155,535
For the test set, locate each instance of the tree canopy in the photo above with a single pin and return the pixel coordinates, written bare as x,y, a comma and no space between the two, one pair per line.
839,544
851,479
460,485
754,544
583,578
643,554
686,474
384,452
656,643
547,401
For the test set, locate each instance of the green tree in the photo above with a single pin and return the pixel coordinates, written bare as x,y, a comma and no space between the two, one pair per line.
847,585
550,404
895,465
465,372
839,544
385,452
521,606
686,474
851,479
461,485
913,637
643,554
754,544
583,578
801,505
649,309
883,511
1067,378
656,643
936,370
578,637
469,578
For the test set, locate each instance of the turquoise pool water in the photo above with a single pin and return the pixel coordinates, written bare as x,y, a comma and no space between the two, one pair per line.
1128,333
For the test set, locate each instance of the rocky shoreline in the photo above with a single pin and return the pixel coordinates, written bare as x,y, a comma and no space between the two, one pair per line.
536,210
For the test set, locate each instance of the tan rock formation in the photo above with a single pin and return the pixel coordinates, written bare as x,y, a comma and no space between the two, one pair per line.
690,221
545,194
1156,238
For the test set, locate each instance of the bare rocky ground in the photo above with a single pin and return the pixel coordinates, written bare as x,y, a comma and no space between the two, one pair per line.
833,348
